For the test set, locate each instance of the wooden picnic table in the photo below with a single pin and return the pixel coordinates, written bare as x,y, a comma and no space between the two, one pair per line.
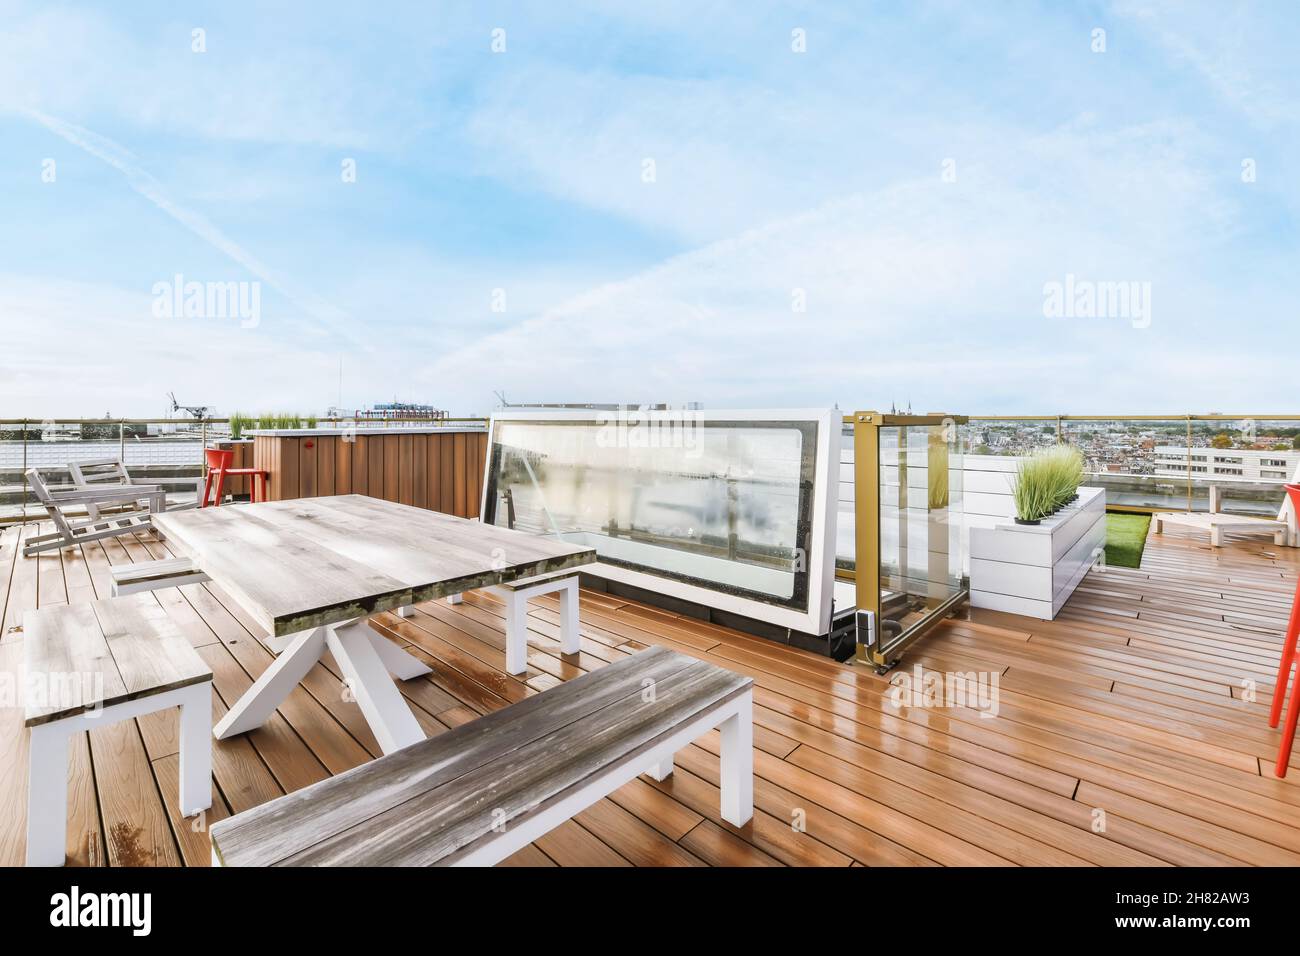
311,570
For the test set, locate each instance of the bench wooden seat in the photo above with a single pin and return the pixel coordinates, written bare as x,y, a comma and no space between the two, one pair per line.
553,577
479,792
89,665
516,595
152,575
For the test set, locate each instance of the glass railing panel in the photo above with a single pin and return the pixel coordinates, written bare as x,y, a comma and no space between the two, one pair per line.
1010,437
1247,462
921,541
157,449
1141,463
845,543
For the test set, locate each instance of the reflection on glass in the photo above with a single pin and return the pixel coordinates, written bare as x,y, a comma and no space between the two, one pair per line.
723,504
921,560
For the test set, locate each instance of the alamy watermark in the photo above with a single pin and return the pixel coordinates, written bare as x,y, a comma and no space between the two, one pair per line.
53,690
625,428
179,299
978,690
1088,299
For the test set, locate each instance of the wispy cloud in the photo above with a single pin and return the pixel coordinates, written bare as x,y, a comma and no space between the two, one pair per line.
121,159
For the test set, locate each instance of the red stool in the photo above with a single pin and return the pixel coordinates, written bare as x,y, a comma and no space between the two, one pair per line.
219,470
1284,669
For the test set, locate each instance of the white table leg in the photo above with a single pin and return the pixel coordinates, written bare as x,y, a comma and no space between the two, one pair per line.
406,610
196,749
276,683
47,796
570,632
516,634
455,598
738,763
398,662
662,770
380,701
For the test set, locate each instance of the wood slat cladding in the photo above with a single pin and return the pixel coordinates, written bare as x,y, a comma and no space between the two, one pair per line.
439,471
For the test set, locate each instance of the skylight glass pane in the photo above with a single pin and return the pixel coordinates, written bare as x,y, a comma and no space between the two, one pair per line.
721,504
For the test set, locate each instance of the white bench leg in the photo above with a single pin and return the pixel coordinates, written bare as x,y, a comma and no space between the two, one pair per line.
276,683
47,796
380,701
570,632
738,763
662,770
516,634
196,749
455,598
406,610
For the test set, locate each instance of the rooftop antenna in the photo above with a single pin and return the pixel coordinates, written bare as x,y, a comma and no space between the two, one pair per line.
196,411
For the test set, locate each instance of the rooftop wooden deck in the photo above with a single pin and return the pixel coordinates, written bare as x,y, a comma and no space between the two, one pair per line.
1134,702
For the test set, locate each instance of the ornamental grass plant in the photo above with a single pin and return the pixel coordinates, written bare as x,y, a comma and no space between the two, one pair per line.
1046,481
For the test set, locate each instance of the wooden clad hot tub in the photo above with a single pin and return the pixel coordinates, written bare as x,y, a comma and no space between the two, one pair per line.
439,468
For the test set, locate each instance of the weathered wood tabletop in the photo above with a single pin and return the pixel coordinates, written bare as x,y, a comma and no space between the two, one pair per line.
305,563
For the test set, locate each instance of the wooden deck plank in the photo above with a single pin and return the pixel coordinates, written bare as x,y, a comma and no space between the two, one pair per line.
1131,702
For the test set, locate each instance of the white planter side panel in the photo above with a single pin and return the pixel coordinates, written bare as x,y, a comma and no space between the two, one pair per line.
1033,569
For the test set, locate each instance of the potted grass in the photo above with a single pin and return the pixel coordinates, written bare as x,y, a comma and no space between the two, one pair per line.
1031,564
1046,482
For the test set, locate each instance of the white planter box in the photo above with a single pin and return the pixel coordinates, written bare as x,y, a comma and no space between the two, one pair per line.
1033,569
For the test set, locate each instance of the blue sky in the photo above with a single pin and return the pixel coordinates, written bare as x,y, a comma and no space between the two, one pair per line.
871,220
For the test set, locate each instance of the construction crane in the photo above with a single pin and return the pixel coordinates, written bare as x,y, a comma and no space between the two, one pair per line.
199,412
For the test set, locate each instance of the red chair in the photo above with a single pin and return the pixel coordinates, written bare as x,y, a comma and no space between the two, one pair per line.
219,470
1284,668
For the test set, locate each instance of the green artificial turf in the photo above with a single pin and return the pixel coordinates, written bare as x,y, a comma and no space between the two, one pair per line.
1126,535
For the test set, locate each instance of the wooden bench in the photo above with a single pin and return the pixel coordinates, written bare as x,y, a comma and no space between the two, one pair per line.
89,665
481,791
1217,523
516,595
152,575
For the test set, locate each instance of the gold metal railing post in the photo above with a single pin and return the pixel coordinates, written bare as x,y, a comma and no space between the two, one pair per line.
876,645
866,532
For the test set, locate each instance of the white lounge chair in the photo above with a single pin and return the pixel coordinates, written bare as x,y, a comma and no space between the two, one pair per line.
70,529
111,473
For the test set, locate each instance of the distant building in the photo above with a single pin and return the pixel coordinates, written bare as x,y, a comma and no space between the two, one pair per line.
390,411
1245,463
